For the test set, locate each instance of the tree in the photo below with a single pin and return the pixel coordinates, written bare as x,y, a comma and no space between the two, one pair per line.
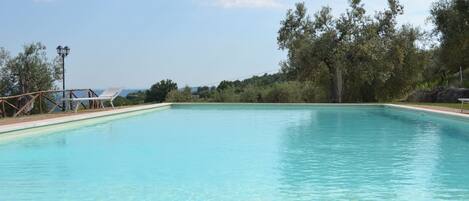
159,91
355,57
5,84
203,92
29,71
451,19
225,84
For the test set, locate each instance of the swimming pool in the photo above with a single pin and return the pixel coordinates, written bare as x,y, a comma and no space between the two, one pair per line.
245,152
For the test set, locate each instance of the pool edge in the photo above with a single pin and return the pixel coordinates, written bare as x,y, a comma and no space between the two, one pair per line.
9,128
16,127
446,113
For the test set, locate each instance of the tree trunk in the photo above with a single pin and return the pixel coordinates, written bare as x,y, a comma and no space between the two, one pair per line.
332,90
339,81
336,86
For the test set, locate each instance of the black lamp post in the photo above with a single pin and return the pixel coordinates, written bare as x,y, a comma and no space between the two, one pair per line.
63,52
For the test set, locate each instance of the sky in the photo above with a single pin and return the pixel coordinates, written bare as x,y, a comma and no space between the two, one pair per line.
135,43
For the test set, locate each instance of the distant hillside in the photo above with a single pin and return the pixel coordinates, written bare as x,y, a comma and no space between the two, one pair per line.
123,93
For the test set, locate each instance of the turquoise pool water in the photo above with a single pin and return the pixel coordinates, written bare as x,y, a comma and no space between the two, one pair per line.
245,152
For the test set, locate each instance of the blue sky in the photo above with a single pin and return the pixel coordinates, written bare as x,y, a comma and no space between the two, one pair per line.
133,44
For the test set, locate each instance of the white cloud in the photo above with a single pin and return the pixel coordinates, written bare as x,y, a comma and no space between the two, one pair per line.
248,3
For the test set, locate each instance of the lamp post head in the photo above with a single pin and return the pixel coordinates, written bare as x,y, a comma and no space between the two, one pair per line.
59,49
63,51
67,50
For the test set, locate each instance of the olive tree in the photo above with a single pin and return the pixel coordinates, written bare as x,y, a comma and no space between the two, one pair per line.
29,71
451,19
355,57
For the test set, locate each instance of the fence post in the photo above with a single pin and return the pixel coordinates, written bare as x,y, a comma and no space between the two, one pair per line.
70,94
40,102
3,109
90,102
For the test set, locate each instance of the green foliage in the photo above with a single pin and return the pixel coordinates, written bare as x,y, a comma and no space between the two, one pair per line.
434,73
29,71
313,93
159,91
5,86
180,96
251,94
287,92
228,95
136,97
225,85
357,58
278,92
451,19
264,80
203,92
121,101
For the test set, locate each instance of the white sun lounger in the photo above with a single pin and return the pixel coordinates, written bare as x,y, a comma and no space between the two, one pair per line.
463,100
107,95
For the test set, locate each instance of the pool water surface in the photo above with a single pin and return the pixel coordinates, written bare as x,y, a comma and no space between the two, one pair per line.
245,152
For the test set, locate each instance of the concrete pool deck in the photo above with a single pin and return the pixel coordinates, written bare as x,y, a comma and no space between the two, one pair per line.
433,109
51,119
18,124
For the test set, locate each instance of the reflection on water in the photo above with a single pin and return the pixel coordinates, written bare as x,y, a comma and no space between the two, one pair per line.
363,155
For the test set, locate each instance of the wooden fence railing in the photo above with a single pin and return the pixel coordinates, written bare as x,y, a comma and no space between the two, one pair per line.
42,101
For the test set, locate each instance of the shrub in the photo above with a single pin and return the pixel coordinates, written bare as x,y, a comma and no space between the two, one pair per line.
311,93
251,94
285,92
136,97
120,101
180,96
227,95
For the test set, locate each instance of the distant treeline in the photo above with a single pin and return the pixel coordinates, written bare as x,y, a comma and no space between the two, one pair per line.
267,88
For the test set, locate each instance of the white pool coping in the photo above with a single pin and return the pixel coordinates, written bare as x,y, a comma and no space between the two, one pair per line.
31,125
77,117
448,113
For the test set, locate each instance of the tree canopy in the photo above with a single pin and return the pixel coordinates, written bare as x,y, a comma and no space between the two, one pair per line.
159,91
29,71
451,19
356,57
